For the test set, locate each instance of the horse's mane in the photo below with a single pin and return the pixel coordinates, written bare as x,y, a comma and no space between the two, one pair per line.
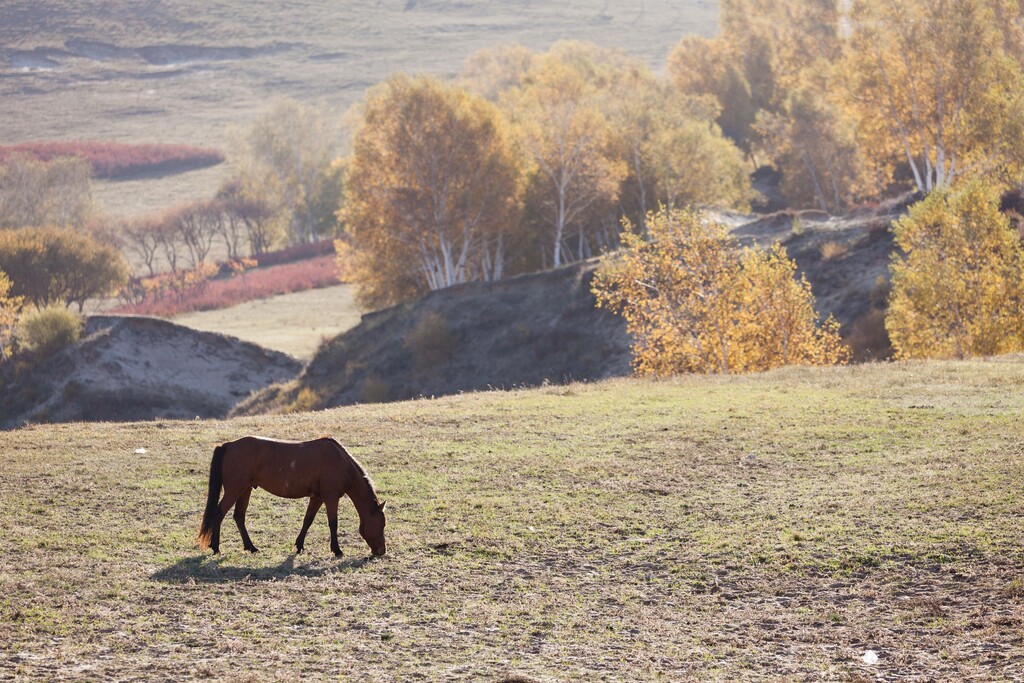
359,468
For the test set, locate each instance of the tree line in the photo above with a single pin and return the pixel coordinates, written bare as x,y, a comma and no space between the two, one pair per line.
527,161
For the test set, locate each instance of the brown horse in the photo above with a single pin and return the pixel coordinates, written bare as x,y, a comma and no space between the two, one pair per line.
321,469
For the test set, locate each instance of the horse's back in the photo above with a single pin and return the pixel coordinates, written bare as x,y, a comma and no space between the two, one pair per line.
290,469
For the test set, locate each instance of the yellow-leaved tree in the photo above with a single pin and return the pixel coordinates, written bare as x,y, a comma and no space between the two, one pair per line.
432,188
10,307
694,302
286,160
957,289
568,140
935,87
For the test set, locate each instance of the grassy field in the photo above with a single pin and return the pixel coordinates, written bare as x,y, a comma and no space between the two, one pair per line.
291,323
154,194
182,71
776,525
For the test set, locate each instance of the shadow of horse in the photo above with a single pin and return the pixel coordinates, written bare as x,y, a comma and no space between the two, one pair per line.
206,569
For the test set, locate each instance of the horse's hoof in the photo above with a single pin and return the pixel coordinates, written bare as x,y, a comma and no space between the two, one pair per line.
298,550
253,550
338,554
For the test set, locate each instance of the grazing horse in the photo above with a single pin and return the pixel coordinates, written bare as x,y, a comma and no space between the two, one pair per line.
321,469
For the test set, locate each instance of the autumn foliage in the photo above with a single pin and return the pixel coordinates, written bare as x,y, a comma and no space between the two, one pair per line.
694,302
529,161
10,308
958,287
116,159
35,193
58,266
431,189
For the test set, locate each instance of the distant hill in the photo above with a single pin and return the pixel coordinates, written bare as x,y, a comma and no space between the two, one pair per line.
524,331
134,368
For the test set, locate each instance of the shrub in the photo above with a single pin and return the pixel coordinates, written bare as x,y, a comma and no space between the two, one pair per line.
119,160
430,342
307,399
48,330
299,252
833,250
694,302
958,290
163,297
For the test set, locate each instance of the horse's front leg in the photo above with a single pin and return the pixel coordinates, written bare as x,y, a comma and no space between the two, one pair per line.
240,507
331,503
314,507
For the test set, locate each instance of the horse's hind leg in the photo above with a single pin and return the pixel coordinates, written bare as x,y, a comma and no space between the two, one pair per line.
314,507
240,507
230,496
331,503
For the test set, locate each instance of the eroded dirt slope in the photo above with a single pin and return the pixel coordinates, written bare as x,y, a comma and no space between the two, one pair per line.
523,331
133,368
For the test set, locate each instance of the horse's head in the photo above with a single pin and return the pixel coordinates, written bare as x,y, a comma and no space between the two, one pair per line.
371,528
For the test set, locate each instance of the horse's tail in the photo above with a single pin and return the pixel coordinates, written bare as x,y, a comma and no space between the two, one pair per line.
212,497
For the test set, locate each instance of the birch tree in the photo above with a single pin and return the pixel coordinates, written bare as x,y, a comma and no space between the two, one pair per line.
35,193
492,71
958,286
812,141
567,140
933,87
432,184
286,158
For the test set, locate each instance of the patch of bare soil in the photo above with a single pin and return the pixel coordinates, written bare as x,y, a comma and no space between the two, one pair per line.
133,368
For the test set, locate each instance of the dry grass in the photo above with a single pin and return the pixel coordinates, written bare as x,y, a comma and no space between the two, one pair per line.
776,525
152,195
295,324
832,250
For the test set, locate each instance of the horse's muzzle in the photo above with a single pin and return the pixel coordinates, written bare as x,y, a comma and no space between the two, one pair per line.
379,552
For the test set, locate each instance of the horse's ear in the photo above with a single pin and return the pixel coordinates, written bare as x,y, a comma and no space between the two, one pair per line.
382,505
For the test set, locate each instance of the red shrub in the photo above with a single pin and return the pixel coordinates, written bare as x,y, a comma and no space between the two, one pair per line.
119,160
224,292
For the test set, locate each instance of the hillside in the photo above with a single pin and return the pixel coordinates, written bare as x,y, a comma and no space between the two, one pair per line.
772,526
185,71
845,259
541,328
139,369
522,331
